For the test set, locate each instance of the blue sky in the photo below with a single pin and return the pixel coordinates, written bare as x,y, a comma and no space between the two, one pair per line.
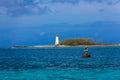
36,22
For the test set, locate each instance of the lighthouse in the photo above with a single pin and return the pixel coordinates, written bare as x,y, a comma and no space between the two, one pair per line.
57,40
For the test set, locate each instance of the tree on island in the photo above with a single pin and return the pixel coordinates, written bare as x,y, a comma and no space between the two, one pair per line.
77,41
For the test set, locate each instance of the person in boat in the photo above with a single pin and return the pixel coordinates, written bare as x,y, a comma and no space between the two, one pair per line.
86,49
86,55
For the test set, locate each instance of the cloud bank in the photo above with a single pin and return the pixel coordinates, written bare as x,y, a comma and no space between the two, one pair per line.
39,7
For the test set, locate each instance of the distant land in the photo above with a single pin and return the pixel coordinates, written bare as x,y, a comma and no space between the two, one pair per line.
71,42
51,46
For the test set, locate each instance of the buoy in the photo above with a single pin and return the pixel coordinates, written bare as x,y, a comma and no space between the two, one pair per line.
86,55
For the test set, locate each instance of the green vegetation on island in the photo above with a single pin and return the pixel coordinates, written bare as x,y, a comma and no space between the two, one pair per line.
77,42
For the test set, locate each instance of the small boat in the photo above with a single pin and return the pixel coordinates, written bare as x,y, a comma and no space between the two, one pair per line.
86,55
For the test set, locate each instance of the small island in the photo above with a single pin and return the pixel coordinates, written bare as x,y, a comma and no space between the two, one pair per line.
83,42
70,42
77,42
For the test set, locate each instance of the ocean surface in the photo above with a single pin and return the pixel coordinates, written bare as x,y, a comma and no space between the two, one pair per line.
60,64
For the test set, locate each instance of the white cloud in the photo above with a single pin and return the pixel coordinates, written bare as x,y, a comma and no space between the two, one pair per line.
42,33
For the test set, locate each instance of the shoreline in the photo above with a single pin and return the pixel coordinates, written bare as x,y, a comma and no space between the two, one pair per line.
64,46
61,46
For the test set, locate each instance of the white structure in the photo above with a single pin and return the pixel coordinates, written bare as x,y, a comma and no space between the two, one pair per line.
57,40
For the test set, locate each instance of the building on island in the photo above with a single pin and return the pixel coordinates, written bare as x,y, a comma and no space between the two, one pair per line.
57,40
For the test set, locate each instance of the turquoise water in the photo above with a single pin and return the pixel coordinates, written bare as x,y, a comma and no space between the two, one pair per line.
60,64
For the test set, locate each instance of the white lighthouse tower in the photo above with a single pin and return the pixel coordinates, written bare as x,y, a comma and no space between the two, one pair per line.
57,40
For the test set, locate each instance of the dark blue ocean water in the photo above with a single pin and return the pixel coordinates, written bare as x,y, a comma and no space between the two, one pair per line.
60,64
